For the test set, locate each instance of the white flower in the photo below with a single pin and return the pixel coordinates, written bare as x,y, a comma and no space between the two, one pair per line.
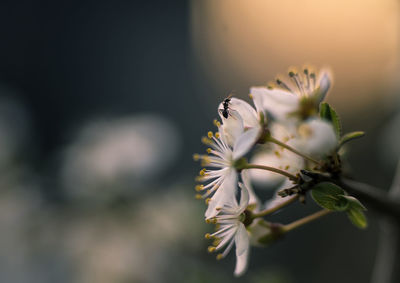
316,138
235,138
232,231
301,94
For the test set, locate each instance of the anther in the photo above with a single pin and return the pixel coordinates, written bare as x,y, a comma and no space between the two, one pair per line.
287,167
211,249
306,71
220,256
251,96
217,135
198,188
208,236
216,242
206,140
202,172
198,196
210,134
209,150
291,74
207,201
196,157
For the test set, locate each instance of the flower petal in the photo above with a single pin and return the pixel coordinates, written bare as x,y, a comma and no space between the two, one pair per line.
253,199
276,199
245,141
232,127
246,111
316,138
226,193
279,103
242,250
324,83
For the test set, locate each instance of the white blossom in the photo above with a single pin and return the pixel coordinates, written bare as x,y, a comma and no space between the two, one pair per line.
288,98
231,231
235,138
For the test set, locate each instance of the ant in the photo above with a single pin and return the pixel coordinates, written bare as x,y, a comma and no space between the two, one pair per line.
225,104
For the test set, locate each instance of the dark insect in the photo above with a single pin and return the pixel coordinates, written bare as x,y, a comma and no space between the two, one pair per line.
225,104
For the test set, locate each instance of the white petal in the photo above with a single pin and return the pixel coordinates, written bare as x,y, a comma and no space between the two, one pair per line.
277,102
248,113
316,138
242,250
276,199
232,127
224,194
324,83
281,159
253,199
244,197
264,177
245,141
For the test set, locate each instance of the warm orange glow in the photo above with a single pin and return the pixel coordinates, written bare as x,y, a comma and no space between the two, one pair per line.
246,42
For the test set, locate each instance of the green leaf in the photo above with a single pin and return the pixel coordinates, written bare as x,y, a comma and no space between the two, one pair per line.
354,203
328,113
350,136
357,217
329,196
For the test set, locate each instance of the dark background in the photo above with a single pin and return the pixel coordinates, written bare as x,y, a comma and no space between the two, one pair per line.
66,64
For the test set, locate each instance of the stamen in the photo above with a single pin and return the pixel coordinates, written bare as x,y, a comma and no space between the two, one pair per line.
202,172
209,150
287,167
211,249
270,85
208,236
196,157
207,201
220,256
216,241
198,196
312,76
210,134
198,188
217,135
308,79
284,85
206,141
251,96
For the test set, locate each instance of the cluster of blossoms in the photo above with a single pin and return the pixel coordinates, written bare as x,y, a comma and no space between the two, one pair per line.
283,135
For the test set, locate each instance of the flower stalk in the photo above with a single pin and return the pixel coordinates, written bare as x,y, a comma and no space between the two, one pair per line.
305,220
284,145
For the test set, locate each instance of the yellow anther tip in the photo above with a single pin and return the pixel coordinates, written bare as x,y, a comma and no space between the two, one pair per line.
198,188
210,134
196,157
208,236
217,135
198,196
250,95
202,172
219,256
208,200
209,150
211,249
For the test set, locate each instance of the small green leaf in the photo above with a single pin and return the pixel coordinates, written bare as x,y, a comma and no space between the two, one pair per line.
329,196
328,113
350,136
342,204
357,217
354,203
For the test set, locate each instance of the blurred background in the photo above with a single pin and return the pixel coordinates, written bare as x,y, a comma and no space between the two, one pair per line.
103,103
